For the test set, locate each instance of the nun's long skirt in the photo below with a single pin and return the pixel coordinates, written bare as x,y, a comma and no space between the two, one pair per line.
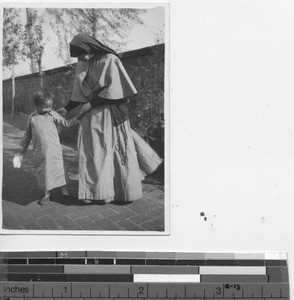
112,161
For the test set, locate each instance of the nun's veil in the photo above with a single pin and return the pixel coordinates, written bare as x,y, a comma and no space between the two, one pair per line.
84,43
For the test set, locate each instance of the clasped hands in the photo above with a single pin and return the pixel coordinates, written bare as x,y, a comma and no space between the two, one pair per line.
85,108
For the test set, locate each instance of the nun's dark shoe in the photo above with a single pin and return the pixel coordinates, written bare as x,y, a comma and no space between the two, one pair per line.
44,200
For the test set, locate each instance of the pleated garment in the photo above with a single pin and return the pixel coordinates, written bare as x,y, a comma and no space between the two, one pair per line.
104,172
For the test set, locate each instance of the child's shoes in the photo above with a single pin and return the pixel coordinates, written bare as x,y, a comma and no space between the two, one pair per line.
44,200
86,201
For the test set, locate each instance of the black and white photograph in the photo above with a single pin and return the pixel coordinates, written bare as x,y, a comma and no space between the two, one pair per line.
85,118
156,138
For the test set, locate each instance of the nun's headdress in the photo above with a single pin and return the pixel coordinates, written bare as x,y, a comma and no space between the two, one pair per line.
107,71
84,43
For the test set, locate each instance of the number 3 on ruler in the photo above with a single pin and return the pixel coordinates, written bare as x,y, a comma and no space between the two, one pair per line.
218,290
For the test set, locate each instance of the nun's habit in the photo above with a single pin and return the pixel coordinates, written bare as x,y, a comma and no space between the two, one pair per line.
113,159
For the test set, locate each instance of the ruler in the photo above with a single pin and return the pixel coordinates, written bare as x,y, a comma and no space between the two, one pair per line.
85,275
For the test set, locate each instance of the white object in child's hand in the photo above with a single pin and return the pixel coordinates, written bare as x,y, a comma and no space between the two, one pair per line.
17,160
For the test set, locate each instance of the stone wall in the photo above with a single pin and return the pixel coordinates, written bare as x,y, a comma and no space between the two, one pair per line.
144,66
146,69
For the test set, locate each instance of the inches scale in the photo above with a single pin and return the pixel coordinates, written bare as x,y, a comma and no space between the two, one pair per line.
86,275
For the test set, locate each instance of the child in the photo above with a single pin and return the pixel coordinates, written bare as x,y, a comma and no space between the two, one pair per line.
41,129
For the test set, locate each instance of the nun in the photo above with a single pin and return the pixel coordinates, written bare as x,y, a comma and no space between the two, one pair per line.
113,159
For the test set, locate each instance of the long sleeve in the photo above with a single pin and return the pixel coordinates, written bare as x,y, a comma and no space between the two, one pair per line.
25,142
63,122
71,105
94,100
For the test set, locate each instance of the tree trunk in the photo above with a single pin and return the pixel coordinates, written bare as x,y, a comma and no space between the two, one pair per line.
41,78
151,109
40,68
13,91
29,28
94,27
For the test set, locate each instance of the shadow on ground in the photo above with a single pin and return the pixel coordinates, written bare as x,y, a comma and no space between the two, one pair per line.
20,196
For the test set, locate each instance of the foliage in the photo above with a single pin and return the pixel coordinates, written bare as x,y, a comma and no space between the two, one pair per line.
147,110
159,37
34,37
12,33
109,25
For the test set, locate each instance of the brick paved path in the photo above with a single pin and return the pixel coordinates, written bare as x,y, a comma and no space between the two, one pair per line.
20,196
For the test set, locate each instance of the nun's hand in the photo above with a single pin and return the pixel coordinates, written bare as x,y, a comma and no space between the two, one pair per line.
86,107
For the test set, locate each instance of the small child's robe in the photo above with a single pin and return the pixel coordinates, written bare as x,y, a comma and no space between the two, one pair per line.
42,131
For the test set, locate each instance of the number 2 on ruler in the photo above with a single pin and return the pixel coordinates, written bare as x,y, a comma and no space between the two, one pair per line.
141,290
